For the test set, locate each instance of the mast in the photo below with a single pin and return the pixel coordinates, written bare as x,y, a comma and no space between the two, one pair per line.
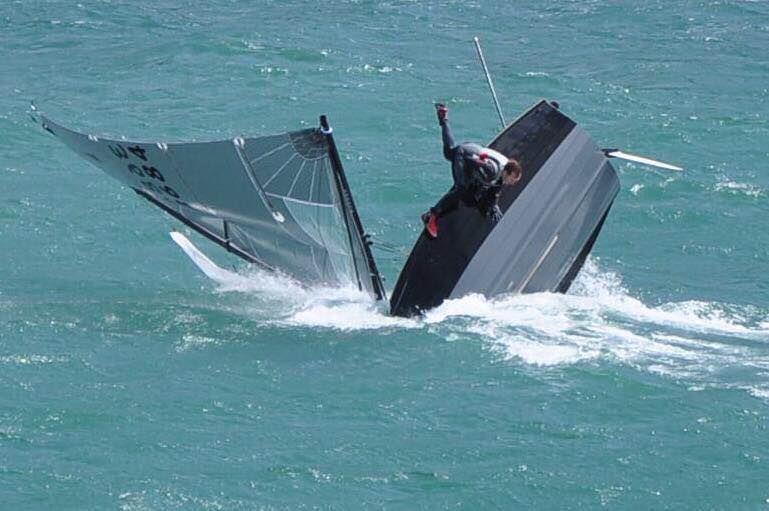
488,80
350,212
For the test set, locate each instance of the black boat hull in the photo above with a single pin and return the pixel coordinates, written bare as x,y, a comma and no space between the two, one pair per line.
551,220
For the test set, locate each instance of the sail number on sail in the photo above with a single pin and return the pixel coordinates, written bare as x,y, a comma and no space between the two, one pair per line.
145,170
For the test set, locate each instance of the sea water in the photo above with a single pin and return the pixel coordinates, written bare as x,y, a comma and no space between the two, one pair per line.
129,380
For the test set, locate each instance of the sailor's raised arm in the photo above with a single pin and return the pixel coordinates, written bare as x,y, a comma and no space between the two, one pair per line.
449,146
448,138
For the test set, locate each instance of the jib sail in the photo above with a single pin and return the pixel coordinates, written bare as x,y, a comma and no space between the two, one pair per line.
279,201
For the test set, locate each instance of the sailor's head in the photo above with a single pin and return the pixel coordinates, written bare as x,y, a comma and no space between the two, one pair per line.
512,173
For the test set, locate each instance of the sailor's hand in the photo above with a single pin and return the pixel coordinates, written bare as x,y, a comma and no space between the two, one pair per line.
495,214
442,112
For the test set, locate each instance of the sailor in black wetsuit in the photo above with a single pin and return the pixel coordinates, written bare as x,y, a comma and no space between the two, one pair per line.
479,174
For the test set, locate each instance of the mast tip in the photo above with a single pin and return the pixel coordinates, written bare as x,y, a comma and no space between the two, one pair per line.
324,127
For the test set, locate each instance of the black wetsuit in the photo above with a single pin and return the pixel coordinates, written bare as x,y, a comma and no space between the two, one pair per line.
470,179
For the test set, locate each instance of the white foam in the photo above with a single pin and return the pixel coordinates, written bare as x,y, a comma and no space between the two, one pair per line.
348,316
759,392
702,343
341,308
32,359
734,187
191,342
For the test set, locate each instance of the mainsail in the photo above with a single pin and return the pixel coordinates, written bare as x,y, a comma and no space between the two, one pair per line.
281,201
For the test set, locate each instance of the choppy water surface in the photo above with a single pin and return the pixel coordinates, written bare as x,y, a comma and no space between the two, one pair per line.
128,380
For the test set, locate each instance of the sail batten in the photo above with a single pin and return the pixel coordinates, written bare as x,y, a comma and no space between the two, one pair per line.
300,201
279,201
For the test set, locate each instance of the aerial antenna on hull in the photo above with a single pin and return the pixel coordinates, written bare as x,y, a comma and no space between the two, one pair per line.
488,80
616,153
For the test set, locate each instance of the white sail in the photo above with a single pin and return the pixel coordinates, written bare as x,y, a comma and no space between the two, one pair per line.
279,201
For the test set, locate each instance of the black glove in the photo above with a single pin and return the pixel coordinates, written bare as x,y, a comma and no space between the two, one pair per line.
495,214
442,112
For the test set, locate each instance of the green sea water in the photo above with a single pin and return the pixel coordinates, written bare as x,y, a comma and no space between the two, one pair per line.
130,381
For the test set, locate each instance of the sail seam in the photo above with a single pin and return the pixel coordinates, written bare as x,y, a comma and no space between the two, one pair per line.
255,182
266,183
296,178
312,179
269,153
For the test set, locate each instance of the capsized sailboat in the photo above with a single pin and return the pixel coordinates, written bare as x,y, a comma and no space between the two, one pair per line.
283,203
